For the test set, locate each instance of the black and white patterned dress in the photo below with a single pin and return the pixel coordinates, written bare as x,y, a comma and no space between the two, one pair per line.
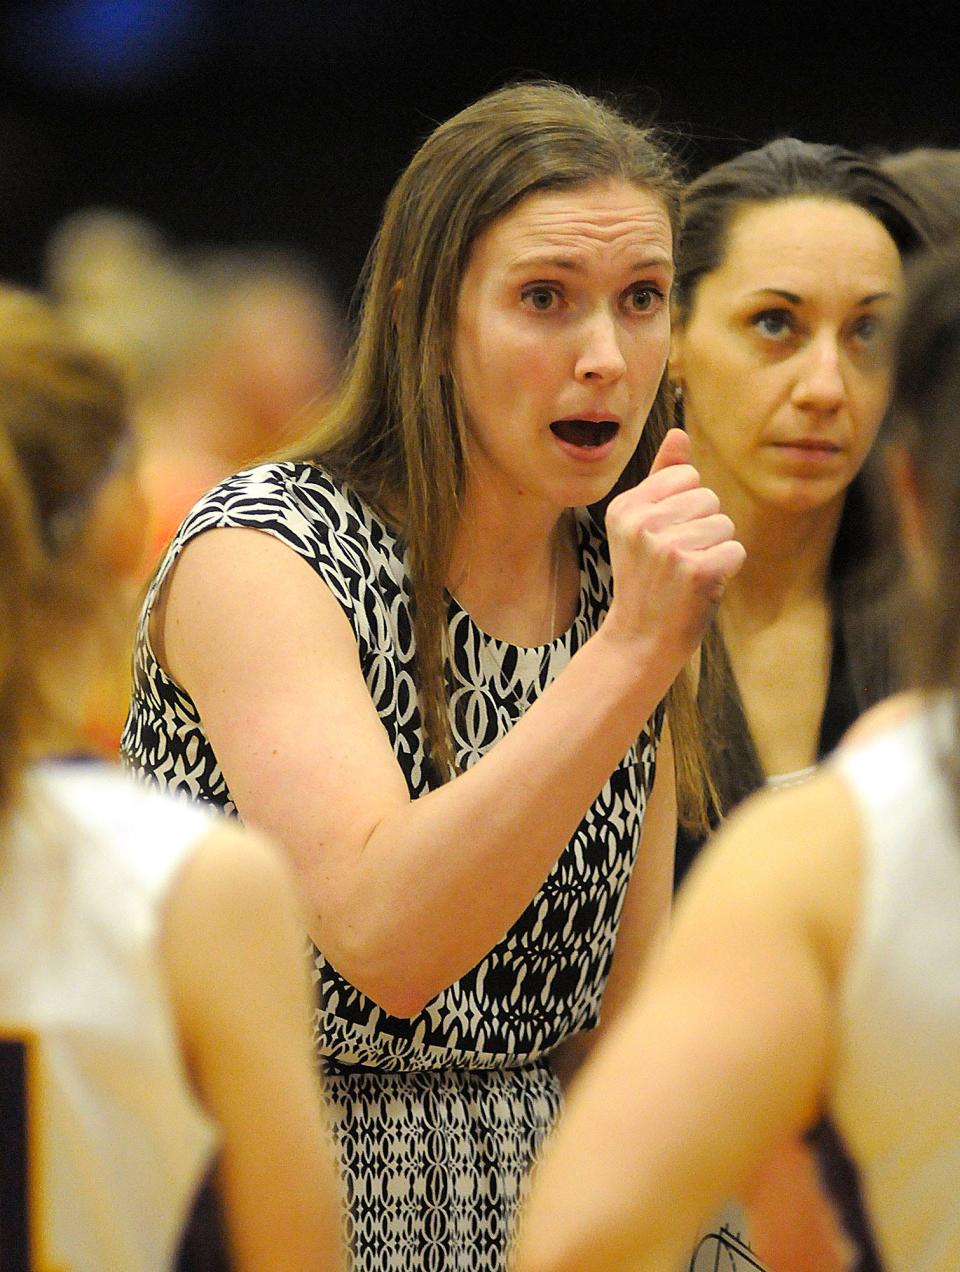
438,1118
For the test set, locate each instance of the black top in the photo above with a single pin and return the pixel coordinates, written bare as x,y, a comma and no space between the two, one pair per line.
839,712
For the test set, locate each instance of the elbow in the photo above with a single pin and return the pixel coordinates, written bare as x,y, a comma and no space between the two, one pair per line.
397,1001
394,994
395,975
382,970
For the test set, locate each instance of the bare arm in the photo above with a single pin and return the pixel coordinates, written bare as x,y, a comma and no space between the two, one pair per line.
792,1222
234,949
399,888
707,1069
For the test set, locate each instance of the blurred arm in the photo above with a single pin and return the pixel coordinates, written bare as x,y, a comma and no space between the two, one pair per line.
725,1050
234,948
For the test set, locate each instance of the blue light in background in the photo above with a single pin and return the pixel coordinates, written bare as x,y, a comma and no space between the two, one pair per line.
106,43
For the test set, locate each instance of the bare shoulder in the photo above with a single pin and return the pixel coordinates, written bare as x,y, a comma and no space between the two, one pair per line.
233,874
235,594
234,901
233,564
234,865
790,860
885,715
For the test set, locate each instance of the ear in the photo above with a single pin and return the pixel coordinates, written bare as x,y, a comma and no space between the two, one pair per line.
675,359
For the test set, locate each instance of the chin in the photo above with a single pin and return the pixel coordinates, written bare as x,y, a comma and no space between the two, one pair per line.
583,493
807,498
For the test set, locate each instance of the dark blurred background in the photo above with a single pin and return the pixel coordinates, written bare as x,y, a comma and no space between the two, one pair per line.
286,122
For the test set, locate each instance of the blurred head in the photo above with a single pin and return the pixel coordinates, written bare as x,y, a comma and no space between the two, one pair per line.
272,341
71,519
931,176
221,349
111,274
789,277
922,432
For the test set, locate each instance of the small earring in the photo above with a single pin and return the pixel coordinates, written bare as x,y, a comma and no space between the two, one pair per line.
678,393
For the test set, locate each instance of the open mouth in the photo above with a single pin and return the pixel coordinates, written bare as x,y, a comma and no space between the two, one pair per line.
586,433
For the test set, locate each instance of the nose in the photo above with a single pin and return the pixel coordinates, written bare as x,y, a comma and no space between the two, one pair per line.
820,384
600,357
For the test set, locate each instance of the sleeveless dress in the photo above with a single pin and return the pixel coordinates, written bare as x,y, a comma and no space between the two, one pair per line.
438,1118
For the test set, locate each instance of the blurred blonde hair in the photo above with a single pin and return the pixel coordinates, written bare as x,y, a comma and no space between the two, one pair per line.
63,432
155,310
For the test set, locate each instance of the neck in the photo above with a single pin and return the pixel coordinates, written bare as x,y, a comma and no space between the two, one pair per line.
500,538
515,570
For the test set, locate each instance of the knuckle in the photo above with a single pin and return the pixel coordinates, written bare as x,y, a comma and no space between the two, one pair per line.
711,502
725,525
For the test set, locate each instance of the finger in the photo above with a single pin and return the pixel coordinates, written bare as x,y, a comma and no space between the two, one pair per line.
674,449
699,534
724,560
660,485
677,500
668,481
675,509
705,568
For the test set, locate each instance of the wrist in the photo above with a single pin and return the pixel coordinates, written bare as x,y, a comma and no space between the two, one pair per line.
637,670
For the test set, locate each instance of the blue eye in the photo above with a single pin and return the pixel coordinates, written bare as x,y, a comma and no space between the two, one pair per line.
867,327
774,323
540,298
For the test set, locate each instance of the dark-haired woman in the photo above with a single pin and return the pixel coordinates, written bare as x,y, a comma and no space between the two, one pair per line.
788,279
789,276
841,898
400,651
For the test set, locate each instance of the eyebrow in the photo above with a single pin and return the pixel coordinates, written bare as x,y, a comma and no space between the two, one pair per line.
794,299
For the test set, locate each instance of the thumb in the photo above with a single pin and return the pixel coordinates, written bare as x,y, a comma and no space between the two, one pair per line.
674,449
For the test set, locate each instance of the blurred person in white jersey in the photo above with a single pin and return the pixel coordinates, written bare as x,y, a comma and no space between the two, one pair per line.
153,993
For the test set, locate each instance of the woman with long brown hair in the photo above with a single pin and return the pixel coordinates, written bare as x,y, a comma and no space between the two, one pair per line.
400,650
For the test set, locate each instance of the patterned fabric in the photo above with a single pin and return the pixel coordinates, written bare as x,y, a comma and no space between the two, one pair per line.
438,1117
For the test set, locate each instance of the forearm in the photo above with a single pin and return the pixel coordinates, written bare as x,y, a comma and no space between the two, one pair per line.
406,895
673,1114
419,895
